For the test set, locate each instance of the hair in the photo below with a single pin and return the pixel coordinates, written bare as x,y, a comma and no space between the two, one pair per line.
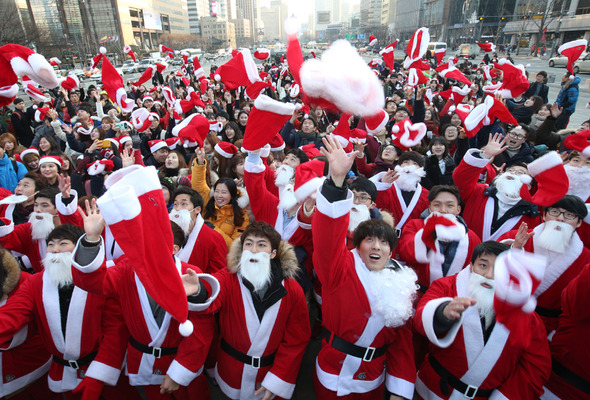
240,114
82,200
412,156
375,228
177,234
442,129
572,204
519,164
108,119
490,247
28,158
233,191
362,184
212,138
233,163
66,232
9,137
52,143
544,75
194,196
17,101
86,107
402,108
312,119
237,132
40,182
163,171
537,104
262,229
439,140
47,193
64,157
222,163
300,154
436,190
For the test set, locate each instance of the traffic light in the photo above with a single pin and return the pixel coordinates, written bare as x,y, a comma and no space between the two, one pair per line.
481,18
524,17
503,18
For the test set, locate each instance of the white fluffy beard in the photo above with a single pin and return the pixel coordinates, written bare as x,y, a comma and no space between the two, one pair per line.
394,292
483,296
284,174
555,237
182,218
41,228
409,177
358,214
508,185
58,266
579,178
287,198
255,267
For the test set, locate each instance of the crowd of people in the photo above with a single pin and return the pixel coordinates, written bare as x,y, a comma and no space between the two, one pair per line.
437,246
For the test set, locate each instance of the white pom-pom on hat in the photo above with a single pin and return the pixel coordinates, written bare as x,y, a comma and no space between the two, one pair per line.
395,129
291,26
217,77
526,179
186,328
103,50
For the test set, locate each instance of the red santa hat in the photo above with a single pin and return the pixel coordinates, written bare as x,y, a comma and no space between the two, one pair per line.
194,98
226,149
552,180
172,142
455,96
15,61
376,123
388,55
416,77
36,94
51,159
579,142
147,97
98,58
267,118
373,40
100,166
26,81
156,145
70,83
487,47
166,50
463,110
484,115
124,139
113,84
313,54
440,227
489,72
309,176
183,106
169,95
254,90
406,135
342,133
141,119
492,89
149,73
358,135
30,150
127,50
375,62
440,55
185,55
294,53
277,143
572,50
215,126
41,113
514,80
81,130
239,71
417,46
192,130
449,71
311,151
54,61
203,86
262,54
197,69
294,91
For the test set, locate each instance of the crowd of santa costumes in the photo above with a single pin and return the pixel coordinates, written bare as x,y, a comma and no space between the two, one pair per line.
180,231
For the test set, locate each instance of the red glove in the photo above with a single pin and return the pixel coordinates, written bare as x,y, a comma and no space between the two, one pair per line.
90,388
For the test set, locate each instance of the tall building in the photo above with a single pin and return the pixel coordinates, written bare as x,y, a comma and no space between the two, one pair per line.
196,10
374,13
243,31
270,20
248,9
283,14
220,33
409,17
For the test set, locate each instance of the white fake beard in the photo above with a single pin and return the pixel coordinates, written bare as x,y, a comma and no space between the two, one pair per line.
555,237
182,218
255,267
358,214
483,296
284,174
41,228
409,177
287,199
14,199
58,266
394,292
508,187
579,178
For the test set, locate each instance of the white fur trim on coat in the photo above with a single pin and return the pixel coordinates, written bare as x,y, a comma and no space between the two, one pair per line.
94,264
278,386
428,323
336,209
544,163
71,208
182,375
103,372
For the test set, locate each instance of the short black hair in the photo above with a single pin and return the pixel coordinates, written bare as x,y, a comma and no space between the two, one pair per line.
374,228
300,154
403,108
86,107
572,204
262,229
177,234
17,101
489,247
362,184
411,156
436,190
66,232
47,193
194,196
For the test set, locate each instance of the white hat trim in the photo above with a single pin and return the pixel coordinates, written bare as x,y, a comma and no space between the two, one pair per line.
265,103
158,146
223,152
544,163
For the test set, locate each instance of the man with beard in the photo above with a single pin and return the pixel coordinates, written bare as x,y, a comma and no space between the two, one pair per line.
281,180
18,206
492,211
471,354
578,173
400,192
29,238
262,316
367,298
556,239
81,330
204,247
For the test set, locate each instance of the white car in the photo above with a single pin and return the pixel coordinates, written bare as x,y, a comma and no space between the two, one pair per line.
582,65
98,76
129,67
561,61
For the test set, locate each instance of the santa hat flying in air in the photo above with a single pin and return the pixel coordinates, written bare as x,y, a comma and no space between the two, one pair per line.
572,50
388,55
129,51
149,74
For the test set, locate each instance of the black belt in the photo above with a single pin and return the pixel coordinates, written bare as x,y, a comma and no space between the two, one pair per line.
570,377
449,379
255,362
366,353
548,312
154,351
422,289
87,359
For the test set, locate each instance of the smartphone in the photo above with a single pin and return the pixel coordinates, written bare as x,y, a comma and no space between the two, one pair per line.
120,125
105,144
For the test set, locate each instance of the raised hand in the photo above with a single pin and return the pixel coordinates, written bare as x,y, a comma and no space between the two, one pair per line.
340,162
390,176
93,221
522,236
127,158
499,169
420,93
64,185
495,146
190,281
200,156
360,146
556,110
66,128
455,308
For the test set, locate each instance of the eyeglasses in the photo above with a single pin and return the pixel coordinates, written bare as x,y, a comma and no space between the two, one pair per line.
516,135
566,214
516,171
361,199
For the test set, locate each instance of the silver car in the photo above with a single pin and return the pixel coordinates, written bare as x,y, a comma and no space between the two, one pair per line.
582,65
129,67
561,61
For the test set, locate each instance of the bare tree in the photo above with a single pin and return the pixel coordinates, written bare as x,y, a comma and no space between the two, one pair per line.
14,29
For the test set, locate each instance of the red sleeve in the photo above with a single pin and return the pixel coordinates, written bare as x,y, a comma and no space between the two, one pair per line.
364,168
385,199
467,174
576,297
438,289
408,242
262,202
217,253
193,350
18,311
16,237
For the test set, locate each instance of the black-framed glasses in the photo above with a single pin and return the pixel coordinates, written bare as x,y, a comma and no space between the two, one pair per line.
554,212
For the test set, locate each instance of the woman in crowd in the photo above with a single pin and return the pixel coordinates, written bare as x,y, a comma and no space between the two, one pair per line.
231,133
439,165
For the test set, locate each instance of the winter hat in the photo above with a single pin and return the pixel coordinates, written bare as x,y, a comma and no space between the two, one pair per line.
113,84
215,126
226,149
514,80
375,123
440,55
149,73
455,96
239,71
308,177
169,95
166,50
388,55
203,85
358,135
580,142
485,113
311,151
98,58
197,69
254,90
51,159
489,72
30,150
36,94
463,110
572,204
70,83
154,116
127,50
492,89
41,113
405,135
193,129
100,166
172,142
147,97
54,61
15,61
373,40
342,133
440,227
267,118
184,54
156,145
124,139
417,46
294,91
262,54
416,77
277,143
140,118
375,62
487,47
552,180
449,71
572,50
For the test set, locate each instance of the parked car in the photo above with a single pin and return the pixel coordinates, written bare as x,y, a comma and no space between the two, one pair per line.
582,65
144,64
129,67
561,61
89,71
470,50
98,76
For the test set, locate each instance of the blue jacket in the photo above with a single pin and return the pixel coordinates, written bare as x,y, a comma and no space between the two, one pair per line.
8,176
567,98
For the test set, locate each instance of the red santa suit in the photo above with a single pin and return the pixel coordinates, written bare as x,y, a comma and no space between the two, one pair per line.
121,283
204,247
561,269
569,346
283,330
347,313
481,207
511,370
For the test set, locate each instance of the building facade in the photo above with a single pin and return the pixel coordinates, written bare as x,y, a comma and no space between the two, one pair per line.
219,32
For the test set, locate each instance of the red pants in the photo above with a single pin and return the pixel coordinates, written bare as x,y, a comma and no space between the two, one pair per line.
36,390
325,394
123,391
197,390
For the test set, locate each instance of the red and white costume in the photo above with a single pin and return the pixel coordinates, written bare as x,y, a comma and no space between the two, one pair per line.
347,312
480,209
514,371
204,248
